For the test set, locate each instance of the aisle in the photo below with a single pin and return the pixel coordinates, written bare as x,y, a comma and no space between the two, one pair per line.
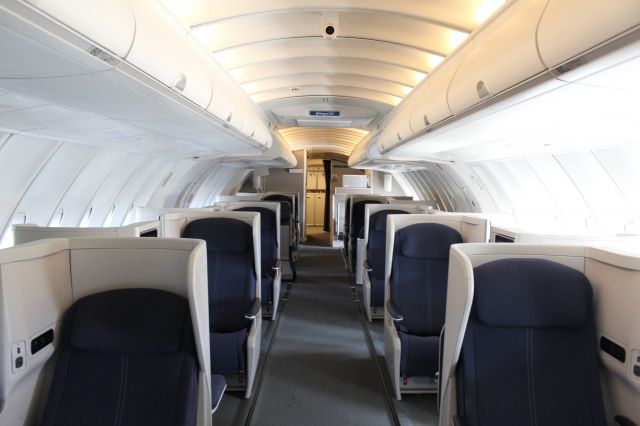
320,371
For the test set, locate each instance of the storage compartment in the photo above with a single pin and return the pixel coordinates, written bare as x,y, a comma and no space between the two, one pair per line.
570,27
162,49
502,55
108,23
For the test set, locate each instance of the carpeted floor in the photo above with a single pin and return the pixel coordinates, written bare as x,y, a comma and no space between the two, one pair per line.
320,370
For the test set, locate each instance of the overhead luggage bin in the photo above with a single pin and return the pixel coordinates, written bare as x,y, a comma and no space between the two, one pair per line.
161,49
582,25
96,20
493,62
42,279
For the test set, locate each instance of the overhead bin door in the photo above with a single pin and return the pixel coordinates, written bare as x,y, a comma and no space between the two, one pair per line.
499,57
108,23
570,27
161,49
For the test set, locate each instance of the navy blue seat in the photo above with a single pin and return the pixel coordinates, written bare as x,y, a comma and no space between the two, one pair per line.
418,292
376,250
268,249
529,354
285,220
347,219
126,357
232,289
356,227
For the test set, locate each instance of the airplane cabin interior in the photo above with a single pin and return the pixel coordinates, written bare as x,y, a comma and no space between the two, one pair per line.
348,212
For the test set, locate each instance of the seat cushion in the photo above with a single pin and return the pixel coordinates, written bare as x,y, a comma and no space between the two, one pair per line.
139,366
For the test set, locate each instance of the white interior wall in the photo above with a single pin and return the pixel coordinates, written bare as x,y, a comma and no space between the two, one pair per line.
54,183
581,192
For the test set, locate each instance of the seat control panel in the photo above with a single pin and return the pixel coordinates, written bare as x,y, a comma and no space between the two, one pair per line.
18,356
613,349
41,341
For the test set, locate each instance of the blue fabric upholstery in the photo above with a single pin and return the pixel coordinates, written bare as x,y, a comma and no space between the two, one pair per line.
357,223
529,354
376,246
126,357
418,288
285,206
268,248
347,218
232,287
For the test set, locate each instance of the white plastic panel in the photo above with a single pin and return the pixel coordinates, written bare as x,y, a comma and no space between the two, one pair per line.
48,188
104,198
160,48
35,54
109,23
569,27
77,199
21,158
502,55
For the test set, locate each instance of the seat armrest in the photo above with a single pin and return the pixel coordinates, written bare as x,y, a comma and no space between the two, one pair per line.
623,421
367,268
393,312
254,309
277,266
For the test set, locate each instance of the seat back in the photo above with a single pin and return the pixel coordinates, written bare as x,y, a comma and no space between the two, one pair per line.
357,216
268,237
126,357
529,353
419,272
377,241
285,207
231,272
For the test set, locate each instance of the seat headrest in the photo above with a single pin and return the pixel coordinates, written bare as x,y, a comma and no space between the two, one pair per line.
533,293
267,217
129,321
278,197
379,219
427,240
222,234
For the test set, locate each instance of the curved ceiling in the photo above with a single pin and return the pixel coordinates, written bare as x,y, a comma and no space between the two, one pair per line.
341,141
380,51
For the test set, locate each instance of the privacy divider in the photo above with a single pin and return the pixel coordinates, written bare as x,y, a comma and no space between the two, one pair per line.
154,213
615,279
39,281
28,232
472,230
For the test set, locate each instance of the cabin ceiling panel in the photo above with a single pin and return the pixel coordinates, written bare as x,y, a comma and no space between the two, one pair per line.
279,53
323,139
377,51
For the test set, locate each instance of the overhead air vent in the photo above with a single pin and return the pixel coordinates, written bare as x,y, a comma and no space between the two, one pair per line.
426,120
294,89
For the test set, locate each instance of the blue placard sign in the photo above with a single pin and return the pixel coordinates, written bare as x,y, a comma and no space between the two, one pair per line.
324,113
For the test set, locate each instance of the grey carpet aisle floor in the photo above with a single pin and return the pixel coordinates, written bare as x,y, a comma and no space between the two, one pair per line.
320,370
